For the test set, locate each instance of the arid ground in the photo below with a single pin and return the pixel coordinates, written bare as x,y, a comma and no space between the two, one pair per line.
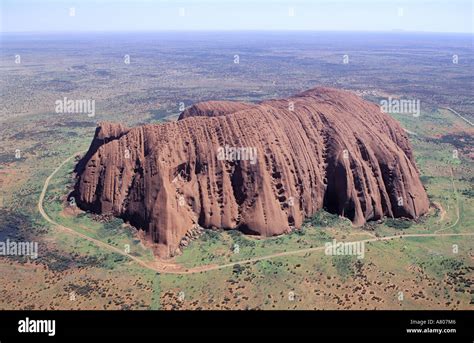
87,261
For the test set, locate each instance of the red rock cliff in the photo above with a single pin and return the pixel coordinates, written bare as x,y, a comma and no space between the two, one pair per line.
322,148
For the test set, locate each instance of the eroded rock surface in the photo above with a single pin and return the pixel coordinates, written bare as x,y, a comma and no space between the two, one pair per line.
321,148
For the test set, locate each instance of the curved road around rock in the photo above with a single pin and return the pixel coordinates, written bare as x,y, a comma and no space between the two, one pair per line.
173,268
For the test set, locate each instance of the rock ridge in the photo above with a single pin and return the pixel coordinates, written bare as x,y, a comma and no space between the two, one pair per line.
259,168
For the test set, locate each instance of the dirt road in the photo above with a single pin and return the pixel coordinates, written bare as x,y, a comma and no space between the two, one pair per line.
173,268
459,115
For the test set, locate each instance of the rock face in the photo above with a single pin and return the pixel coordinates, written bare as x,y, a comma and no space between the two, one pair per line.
259,168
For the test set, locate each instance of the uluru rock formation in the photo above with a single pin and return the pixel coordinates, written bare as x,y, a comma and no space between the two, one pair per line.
259,168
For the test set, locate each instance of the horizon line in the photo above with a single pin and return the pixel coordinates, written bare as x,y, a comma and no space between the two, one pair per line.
236,31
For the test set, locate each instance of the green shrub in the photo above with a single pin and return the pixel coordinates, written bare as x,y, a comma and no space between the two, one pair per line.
398,223
344,266
324,219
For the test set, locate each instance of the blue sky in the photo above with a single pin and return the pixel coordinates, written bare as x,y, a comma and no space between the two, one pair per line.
188,15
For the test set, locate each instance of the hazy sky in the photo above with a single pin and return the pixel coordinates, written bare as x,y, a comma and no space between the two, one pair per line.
161,15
